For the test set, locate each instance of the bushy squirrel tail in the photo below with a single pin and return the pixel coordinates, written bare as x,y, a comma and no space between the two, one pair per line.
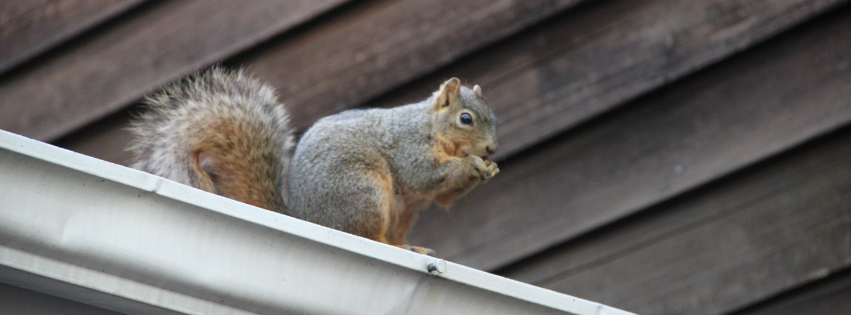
220,131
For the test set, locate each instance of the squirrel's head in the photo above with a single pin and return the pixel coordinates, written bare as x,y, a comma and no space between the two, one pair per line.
462,117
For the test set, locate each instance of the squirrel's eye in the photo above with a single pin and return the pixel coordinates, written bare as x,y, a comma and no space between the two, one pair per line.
466,119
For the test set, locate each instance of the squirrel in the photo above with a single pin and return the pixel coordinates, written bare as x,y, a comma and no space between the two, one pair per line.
367,172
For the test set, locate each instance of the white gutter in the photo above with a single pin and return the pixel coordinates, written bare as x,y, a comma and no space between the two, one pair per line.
102,234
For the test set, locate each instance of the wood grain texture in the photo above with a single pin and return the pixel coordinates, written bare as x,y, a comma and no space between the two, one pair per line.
373,47
28,28
575,66
770,229
400,39
378,47
658,147
830,296
105,139
108,71
592,59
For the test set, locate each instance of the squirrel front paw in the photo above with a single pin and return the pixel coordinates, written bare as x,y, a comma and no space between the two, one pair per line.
492,169
485,169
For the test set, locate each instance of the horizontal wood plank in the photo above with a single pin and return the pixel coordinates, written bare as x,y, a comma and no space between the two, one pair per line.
108,71
105,139
590,60
28,28
830,296
770,229
342,62
400,39
379,47
630,42
13,9
687,135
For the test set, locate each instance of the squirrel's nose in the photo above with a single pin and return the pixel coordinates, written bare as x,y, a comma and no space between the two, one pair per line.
492,148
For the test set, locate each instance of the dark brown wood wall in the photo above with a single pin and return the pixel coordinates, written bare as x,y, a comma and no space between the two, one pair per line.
661,156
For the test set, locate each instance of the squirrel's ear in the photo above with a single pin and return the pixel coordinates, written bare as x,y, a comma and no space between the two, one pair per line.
449,92
478,90
453,86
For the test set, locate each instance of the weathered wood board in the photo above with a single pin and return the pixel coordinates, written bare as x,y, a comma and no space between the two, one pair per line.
592,59
333,59
111,69
28,28
766,230
569,47
691,133
199,33
830,296
381,46
662,156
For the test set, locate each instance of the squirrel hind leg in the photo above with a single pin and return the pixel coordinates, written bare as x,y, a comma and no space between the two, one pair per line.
350,192
369,205
389,218
203,166
406,209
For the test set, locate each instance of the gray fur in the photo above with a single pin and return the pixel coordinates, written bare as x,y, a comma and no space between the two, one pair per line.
327,187
366,172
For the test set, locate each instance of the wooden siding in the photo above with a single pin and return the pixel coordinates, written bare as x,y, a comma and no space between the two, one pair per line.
28,28
828,296
152,47
653,149
660,156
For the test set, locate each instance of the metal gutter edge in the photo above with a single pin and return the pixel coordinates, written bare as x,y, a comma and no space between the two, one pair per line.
117,238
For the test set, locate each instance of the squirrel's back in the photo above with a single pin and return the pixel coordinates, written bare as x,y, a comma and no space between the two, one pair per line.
220,131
